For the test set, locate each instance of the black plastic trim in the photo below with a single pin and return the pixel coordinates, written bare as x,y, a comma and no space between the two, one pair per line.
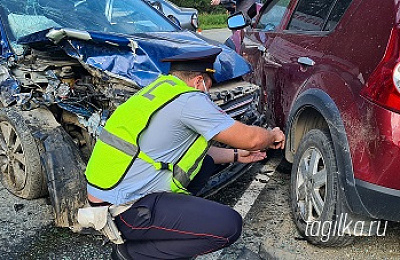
382,202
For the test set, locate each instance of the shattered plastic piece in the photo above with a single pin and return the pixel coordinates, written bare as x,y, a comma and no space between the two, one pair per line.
9,88
134,45
4,74
53,83
57,35
23,98
94,123
262,178
76,109
63,90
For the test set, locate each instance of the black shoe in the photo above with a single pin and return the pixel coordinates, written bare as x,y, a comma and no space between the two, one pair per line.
119,252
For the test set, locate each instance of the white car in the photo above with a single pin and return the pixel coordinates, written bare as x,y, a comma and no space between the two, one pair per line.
187,18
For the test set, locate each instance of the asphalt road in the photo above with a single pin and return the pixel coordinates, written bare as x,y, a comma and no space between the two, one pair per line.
261,196
219,35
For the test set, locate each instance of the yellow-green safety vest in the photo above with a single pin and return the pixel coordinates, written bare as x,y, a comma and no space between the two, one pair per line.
118,144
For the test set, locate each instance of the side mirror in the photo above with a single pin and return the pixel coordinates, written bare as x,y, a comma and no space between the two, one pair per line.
237,21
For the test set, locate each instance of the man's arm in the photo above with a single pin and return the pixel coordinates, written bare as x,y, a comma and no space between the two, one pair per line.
223,155
203,116
251,138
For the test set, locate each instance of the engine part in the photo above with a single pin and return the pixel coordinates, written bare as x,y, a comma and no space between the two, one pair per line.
67,76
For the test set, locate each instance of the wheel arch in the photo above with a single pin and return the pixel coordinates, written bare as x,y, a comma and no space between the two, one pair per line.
313,109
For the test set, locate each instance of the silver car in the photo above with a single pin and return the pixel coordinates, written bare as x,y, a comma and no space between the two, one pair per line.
187,18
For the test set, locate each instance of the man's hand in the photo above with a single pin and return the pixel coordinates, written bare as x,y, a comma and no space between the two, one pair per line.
278,139
245,156
215,2
251,138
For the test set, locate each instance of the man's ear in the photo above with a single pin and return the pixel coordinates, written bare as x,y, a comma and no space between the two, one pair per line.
191,82
197,81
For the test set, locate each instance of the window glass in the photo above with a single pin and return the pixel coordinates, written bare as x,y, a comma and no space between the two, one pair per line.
310,15
272,16
23,17
337,13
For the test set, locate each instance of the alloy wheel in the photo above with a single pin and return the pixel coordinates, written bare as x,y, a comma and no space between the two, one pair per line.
311,184
12,157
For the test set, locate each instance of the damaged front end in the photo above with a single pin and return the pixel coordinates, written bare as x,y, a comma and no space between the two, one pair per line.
59,86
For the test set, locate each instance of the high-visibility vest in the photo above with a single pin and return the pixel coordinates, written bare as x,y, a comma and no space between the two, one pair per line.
118,143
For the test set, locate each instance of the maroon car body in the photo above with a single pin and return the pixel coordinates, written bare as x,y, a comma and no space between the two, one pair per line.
335,70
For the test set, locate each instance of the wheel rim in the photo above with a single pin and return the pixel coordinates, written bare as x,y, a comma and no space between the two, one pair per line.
12,157
311,184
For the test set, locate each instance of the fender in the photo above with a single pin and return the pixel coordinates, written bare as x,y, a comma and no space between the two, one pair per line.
63,165
322,103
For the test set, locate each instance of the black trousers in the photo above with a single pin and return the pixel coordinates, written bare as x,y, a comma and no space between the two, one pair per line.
175,226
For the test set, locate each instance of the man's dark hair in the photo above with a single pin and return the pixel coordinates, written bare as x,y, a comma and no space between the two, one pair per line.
186,75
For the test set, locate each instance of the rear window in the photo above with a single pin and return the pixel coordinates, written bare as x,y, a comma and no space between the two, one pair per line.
317,15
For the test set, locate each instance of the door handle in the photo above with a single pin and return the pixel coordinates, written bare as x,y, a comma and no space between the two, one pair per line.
306,61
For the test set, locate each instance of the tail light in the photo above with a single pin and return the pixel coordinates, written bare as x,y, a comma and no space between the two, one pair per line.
383,86
194,20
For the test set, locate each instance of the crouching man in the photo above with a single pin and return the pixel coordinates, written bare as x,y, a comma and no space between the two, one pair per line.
154,152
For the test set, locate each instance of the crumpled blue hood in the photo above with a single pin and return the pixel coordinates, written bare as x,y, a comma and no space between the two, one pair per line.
137,57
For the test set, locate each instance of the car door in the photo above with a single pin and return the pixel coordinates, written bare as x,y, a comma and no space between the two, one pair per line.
255,48
289,52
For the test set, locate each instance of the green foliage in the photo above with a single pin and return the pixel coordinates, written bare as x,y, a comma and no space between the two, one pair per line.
212,21
210,17
203,6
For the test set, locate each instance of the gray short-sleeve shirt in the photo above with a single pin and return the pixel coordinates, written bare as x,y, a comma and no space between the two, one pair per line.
171,131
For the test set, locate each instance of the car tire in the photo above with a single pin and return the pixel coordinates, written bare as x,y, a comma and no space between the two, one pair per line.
22,172
315,191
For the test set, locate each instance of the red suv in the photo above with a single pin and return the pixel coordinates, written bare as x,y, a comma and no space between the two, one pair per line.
330,74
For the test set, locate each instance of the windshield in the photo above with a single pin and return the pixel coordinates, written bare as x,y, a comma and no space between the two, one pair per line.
23,17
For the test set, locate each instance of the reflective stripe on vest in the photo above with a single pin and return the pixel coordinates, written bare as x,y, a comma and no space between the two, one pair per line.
119,143
131,150
117,147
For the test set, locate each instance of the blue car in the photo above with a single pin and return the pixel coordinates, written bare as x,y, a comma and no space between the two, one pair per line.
65,67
